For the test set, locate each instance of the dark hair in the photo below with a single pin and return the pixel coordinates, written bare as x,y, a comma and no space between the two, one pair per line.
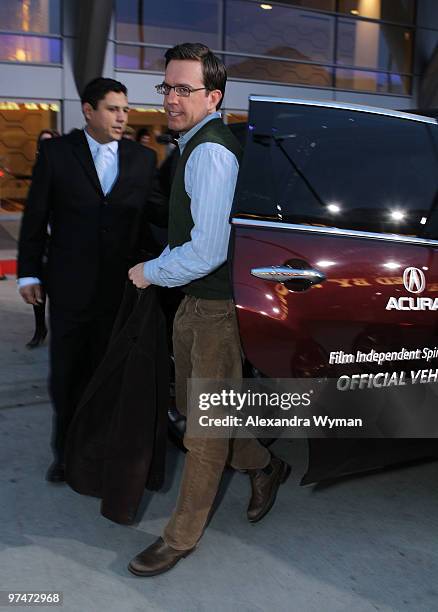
97,89
213,69
140,133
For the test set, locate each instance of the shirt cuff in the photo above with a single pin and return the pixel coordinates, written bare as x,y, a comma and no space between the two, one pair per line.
151,269
150,272
28,280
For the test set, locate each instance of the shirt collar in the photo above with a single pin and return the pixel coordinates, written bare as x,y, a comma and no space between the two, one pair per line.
113,146
184,139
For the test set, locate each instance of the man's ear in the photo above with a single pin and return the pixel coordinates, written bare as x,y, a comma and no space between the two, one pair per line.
87,109
215,97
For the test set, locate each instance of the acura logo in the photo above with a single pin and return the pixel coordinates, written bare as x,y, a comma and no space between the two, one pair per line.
414,280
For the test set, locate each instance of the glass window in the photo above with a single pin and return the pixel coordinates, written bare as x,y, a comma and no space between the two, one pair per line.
169,22
235,117
373,45
278,71
399,84
322,5
140,58
402,11
378,82
335,167
43,16
282,31
36,49
20,124
362,80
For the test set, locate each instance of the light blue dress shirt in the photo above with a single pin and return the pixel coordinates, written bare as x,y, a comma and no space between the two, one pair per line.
111,171
210,180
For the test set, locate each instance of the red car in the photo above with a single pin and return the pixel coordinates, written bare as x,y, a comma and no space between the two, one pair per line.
334,259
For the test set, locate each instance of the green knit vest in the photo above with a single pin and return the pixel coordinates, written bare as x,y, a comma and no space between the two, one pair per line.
216,285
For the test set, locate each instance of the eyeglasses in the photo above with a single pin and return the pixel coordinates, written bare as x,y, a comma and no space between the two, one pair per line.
181,90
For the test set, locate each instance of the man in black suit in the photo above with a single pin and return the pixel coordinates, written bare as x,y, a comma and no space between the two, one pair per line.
93,190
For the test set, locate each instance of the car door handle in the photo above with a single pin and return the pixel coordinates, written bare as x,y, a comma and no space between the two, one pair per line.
282,274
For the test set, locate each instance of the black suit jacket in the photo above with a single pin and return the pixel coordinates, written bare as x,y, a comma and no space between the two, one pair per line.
94,238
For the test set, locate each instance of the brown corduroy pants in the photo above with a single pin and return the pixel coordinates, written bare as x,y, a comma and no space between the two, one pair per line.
206,345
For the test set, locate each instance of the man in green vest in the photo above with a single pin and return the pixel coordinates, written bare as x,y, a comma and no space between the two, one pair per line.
205,336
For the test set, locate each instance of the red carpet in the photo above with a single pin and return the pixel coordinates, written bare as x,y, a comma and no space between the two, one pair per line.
8,266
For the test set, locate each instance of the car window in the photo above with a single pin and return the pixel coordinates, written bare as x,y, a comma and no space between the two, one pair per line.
340,168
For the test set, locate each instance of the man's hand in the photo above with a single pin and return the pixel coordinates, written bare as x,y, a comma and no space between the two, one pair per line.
136,275
32,294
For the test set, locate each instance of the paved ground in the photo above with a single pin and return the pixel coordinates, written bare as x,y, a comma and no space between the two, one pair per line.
360,545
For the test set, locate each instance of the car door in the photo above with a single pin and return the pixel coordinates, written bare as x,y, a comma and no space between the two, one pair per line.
334,251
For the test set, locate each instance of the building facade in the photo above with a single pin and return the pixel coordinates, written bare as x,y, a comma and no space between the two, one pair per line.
375,52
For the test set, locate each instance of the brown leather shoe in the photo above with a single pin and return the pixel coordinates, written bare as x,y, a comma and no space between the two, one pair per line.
157,559
264,485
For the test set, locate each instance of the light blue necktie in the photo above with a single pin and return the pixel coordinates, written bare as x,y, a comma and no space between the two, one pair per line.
101,163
